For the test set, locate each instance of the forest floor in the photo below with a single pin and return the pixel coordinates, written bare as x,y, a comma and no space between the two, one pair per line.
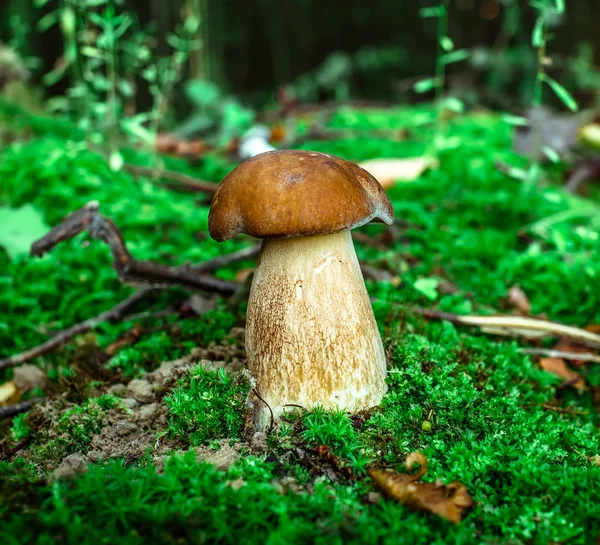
141,438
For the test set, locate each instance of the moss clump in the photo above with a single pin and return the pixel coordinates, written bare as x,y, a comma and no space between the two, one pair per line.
336,431
207,405
58,432
466,223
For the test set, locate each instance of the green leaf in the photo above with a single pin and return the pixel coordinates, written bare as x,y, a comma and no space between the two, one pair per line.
68,22
47,21
19,228
454,56
428,287
454,105
537,37
425,85
436,11
202,93
135,127
446,43
565,97
551,154
515,120
116,161
91,52
534,172
125,88
56,75
517,173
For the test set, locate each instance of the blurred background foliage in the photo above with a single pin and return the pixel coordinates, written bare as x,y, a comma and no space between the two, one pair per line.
139,51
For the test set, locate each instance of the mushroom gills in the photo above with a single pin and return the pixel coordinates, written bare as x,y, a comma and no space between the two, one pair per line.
311,336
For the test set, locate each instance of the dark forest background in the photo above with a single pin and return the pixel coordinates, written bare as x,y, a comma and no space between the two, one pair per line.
335,50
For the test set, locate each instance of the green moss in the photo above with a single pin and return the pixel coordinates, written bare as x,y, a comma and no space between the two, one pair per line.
55,437
207,405
336,430
466,222
19,430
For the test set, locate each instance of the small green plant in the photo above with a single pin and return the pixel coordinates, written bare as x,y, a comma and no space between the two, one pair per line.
19,430
207,405
70,432
547,11
335,430
446,54
105,53
224,116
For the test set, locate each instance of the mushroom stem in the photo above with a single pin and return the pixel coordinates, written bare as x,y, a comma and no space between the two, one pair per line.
311,336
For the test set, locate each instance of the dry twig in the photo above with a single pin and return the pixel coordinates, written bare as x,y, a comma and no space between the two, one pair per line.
518,326
550,353
184,180
62,337
128,268
18,408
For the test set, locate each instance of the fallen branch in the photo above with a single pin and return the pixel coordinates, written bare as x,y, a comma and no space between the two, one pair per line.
115,313
18,408
189,182
225,260
8,454
550,353
518,326
128,268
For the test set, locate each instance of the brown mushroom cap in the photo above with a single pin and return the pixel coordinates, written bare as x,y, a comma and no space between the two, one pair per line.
296,193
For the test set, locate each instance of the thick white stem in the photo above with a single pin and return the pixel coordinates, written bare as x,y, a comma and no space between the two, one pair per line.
311,336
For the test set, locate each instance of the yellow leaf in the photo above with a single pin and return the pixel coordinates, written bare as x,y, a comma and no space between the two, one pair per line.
559,367
590,135
448,501
391,171
9,393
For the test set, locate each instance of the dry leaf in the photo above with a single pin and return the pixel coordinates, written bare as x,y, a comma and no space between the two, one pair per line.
171,144
243,274
517,298
448,501
593,328
391,171
9,393
559,367
590,135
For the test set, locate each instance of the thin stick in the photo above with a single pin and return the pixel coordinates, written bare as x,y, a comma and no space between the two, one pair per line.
128,268
189,182
18,408
550,353
516,326
272,424
17,448
225,260
65,335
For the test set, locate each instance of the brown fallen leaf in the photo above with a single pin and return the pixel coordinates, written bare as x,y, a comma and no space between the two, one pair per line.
243,274
516,326
559,367
9,393
590,135
448,501
391,171
516,298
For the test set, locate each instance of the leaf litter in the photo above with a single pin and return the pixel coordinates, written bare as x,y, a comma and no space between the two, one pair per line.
448,501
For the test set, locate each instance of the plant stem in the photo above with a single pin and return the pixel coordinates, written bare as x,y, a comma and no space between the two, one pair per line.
111,59
440,69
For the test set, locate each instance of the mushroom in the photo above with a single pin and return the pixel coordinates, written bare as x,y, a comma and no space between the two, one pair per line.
311,336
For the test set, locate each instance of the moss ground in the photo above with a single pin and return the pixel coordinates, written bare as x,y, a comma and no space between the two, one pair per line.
466,223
